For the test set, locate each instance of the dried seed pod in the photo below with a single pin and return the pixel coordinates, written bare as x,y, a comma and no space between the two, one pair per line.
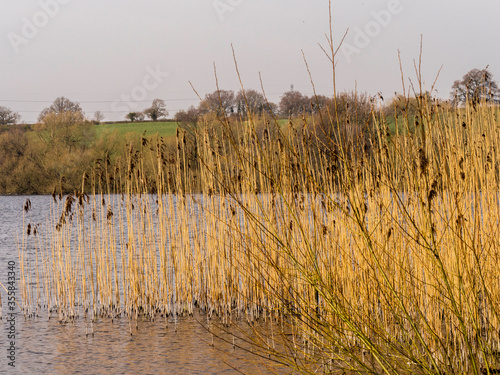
423,161
27,205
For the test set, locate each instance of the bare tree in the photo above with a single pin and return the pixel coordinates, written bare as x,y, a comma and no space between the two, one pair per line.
293,103
7,116
98,117
402,105
157,111
60,105
475,86
131,116
318,102
221,102
188,117
271,108
68,128
250,102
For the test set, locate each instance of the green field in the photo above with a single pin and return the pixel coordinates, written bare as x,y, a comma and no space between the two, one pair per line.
164,129
402,124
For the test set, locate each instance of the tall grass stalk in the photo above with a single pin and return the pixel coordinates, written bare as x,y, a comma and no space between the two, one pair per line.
357,249
366,254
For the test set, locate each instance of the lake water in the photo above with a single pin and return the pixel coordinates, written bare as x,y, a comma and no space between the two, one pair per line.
47,346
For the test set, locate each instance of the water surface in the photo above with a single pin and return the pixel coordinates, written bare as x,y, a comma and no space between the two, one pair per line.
47,346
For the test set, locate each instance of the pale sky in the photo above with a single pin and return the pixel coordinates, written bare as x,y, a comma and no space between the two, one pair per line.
117,56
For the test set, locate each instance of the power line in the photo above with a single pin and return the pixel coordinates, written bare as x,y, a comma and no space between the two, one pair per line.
168,109
115,101
94,101
110,112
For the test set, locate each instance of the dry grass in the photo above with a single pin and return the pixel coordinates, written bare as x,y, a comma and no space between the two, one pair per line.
370,254
362,251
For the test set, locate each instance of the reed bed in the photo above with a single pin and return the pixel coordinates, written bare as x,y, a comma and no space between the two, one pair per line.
364,251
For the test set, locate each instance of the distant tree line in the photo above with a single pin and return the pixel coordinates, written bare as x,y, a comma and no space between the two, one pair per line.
475,86
157,111
225,103
58,151
8,117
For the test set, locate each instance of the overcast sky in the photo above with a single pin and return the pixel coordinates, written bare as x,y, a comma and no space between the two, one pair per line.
117,56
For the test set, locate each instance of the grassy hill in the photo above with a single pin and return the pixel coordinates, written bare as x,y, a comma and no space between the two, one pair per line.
164,129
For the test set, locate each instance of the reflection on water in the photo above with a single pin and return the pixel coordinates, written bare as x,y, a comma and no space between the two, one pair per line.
153,348
46,346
